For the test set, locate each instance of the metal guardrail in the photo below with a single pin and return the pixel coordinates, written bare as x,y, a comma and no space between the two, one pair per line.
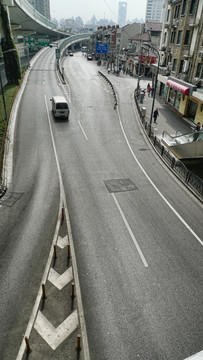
25,5
189,179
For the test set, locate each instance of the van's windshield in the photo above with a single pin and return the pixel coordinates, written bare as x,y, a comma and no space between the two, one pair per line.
61,106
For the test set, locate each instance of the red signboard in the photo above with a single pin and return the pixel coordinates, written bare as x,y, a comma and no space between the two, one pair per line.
147,59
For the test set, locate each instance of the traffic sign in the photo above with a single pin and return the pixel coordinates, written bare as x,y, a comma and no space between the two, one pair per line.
29,41
101,48
43,42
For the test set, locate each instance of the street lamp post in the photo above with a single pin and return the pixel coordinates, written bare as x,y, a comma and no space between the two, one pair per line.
139,69
155,85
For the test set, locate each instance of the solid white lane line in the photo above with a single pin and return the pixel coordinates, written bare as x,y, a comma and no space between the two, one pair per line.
198,356
154,186
130,231
83,131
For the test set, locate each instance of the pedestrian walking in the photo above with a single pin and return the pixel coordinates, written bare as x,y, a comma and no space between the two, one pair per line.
155,115
148,89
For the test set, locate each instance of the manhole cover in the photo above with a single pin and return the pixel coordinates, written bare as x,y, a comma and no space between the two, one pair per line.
11,199
120,185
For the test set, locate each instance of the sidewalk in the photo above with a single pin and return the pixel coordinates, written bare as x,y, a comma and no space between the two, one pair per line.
167,120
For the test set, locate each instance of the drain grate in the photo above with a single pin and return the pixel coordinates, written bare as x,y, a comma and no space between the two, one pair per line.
11,199
119,185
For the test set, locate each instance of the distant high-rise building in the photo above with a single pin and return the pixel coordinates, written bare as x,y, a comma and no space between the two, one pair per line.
122,10
154,10
42,6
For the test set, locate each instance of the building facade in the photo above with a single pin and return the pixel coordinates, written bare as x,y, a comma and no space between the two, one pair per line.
122,11
42,6
181,58
154,10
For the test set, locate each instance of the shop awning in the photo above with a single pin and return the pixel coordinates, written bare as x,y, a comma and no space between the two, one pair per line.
178,87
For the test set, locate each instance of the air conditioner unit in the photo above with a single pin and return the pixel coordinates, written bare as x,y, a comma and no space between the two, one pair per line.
175,22
200,55
162,57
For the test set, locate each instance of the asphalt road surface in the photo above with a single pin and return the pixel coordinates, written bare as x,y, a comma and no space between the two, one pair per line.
137,232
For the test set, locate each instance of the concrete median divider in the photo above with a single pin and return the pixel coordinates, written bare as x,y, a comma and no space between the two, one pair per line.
114,93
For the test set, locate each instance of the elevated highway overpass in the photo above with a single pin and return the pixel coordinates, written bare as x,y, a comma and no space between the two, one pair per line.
24,19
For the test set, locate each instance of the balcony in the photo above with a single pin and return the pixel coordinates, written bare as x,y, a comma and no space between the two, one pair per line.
187,53
194,22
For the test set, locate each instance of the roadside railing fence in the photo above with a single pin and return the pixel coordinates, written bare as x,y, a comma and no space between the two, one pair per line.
192,181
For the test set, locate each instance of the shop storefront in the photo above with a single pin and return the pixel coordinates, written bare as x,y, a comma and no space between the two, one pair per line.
174,98
162,88
179,93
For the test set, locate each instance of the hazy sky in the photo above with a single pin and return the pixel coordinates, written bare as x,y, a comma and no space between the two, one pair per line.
100,8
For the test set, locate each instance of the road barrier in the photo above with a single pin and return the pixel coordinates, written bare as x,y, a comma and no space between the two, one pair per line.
78,347
43,292
28,349
68,251
114,93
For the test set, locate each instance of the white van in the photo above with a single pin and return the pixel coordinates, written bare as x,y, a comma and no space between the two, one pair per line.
60,107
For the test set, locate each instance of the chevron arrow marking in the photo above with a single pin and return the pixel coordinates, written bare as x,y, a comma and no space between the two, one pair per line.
62,242
55,336
60,280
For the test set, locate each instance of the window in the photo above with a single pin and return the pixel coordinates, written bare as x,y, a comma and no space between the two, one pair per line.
187,35
192,7
168,15
179,37
174,64
198,72
184,7
177,12
165,34
173,35
181,66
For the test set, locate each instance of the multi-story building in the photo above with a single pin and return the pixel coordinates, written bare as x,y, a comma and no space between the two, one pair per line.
181,58
154,10
42,6
122,11
150,33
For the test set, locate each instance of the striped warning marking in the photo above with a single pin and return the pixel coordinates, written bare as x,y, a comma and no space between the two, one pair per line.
55,336
62,242
59,281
